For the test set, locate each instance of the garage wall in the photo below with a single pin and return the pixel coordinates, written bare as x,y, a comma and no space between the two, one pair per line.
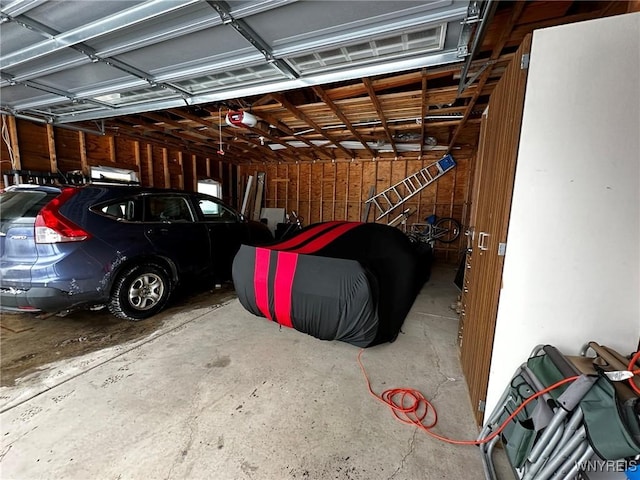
320,191
44,148
326,191
572,267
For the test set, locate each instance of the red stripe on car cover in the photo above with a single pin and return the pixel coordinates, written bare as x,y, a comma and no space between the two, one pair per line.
283,285
261,281
303,237
327,238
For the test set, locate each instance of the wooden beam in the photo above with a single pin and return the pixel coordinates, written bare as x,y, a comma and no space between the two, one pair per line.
236,138
137,158
84,162
185,139
165,168
194,168
280,125
53,160
516,12
213,128
423,112
112,149
150,163
376,104
319,91
137,134
181,176
290,152
13,141
162,119
305,118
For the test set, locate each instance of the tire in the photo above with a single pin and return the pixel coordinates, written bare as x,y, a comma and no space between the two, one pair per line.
452,227
140,292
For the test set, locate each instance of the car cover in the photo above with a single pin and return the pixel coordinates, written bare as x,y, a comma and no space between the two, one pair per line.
348,281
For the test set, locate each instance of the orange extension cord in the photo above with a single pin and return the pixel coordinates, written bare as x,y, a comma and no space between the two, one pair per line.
411,406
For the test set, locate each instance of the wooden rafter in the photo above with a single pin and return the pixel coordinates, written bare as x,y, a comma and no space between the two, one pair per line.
212,126
280,125
518,8
174,123
376,104
132,132
236,137
179,135
182,130
322,95
423,111
305,118
289,151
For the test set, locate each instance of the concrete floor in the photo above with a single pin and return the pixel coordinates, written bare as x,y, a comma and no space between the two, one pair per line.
217,393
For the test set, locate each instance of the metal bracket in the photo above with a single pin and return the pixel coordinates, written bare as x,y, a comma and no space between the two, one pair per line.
502,249
253,38
476,75
485,11
524,61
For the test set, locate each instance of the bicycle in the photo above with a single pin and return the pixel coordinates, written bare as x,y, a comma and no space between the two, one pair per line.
445,230
292,226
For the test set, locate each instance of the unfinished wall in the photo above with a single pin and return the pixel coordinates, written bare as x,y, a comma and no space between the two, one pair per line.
325,191
44,148
320,191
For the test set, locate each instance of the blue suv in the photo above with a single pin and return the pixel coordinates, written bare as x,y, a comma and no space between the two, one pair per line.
64,248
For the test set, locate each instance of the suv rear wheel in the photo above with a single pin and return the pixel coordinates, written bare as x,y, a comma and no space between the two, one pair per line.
140,292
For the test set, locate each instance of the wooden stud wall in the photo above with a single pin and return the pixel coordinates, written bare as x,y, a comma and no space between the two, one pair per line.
325,191
45,148
320,191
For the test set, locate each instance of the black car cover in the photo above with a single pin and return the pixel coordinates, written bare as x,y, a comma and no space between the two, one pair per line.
347,281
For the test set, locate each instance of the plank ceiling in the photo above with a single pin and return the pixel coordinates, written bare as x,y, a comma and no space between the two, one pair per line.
326,80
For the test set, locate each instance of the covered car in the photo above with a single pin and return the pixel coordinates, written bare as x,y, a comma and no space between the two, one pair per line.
348,281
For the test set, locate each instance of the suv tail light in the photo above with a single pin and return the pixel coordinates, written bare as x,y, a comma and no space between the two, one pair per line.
52,227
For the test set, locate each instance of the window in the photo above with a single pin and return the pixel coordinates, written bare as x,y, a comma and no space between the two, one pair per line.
122,210
26,203
168,208
210,187
214,211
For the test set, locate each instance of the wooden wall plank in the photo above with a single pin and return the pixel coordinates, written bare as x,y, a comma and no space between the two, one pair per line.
137,158
304,208
67,144
181,177
193,173
51,142
341,190
98,150
125,151
84,162
166,173
5,156
368,181
33,145
112,149
319,191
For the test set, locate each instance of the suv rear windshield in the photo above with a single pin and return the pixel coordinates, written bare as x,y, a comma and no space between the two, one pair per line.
24,203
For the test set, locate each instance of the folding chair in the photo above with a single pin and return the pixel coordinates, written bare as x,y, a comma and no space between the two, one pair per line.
560,430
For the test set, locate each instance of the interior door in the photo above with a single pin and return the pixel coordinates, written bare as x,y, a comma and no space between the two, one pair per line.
490,216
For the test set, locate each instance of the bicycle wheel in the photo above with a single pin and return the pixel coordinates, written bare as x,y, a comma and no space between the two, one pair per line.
448,230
